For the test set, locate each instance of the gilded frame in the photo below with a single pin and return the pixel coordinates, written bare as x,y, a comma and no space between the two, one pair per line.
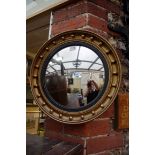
107,98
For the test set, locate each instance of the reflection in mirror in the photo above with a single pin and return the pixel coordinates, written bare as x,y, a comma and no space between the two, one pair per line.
74,76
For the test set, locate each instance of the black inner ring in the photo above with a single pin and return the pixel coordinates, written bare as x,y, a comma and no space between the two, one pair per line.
45,64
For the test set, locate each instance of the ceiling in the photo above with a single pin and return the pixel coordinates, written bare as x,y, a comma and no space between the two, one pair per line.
34,7
75,58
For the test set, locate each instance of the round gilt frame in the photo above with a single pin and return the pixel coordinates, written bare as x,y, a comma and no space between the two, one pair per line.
104,101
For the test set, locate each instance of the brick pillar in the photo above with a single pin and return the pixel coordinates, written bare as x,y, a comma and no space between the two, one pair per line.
96,136
84,14
99,135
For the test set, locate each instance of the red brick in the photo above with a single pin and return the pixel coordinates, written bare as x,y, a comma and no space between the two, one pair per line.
99,32
109,113
116,131
71,24
60,15
74,139
110,6
100,144
98,127
70,17
69,12
53,135
63,137
52,125
97,23
93,128
97,11
75,129
78,9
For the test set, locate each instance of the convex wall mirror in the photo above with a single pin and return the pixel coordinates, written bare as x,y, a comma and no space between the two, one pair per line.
75,76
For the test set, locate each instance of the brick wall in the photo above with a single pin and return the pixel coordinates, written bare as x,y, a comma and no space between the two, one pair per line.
98,136
84,14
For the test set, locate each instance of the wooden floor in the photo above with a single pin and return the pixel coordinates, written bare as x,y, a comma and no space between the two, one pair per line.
36,145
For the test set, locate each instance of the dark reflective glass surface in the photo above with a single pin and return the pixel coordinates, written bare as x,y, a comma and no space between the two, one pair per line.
74,76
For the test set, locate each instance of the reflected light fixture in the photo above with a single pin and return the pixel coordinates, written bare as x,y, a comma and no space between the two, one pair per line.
76,63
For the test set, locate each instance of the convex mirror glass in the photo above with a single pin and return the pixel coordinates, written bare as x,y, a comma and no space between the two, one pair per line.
74,77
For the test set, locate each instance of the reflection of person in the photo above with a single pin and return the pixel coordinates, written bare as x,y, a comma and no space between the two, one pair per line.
92,90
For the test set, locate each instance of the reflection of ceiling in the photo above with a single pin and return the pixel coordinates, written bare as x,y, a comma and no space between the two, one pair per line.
78,58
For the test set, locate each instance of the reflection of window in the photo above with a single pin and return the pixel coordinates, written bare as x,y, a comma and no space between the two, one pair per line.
76,74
